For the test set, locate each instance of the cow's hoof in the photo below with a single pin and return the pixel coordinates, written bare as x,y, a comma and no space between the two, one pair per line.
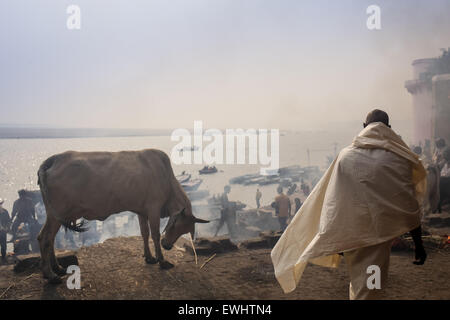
151,260
165,265
54,280
60,271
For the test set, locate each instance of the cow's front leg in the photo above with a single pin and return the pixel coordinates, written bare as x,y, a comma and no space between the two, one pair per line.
143,224
154,228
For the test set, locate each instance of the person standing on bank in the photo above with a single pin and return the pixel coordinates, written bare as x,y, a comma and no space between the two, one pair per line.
283,204
227,214
23,211
372,193
5,223
258,198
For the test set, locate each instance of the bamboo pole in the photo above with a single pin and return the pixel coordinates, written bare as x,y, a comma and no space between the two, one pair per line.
208,260
193,248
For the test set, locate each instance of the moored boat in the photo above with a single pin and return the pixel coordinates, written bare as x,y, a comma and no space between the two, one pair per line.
191,185
183,177
208,170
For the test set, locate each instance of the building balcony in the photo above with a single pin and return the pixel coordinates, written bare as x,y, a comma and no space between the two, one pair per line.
417,85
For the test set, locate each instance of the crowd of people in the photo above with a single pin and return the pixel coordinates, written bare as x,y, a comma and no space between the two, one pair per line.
440,158
28,216
25,222
345,206
281,204
28,213
437,165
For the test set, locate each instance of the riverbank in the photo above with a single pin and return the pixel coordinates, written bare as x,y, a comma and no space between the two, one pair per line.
116,269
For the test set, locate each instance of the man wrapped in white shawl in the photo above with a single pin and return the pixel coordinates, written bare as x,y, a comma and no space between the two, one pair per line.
372,193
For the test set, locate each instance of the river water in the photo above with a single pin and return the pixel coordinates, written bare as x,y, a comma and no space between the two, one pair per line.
21,158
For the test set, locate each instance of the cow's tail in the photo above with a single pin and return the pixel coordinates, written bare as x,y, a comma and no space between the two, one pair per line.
74,226
42,182
42,178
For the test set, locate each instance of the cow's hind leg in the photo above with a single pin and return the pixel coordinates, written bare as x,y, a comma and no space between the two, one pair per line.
46,240
143,224
154,228
56,267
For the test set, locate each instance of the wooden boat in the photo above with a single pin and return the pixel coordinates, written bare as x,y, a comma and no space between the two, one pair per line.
191,185
208,170
269,180
184,177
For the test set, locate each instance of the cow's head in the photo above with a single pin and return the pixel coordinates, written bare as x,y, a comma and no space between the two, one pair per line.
179,224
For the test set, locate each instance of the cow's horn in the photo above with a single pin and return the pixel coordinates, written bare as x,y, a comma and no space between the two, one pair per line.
197,220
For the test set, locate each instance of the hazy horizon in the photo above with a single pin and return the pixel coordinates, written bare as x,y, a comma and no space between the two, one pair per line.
256,64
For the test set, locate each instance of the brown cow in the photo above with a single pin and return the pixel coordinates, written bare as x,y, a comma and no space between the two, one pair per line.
95,185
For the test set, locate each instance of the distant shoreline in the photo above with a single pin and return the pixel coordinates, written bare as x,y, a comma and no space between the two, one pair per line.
68,133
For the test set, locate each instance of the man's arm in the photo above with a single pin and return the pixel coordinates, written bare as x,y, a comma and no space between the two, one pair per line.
420,253
7,218
14,211
34,212
275,206
5,221
289,207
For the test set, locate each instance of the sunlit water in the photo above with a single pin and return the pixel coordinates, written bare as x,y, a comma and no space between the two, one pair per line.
21,158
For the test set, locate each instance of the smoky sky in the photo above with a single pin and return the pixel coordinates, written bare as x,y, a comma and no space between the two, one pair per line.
284,64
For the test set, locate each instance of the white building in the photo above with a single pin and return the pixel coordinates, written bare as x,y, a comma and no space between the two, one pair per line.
430,103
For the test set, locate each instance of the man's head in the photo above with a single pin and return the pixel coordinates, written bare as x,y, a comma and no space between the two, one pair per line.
227,189
1,202
377,115
280,190
440,143
22,193
418,150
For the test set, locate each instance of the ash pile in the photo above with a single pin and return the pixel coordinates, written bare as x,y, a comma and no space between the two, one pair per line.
219,245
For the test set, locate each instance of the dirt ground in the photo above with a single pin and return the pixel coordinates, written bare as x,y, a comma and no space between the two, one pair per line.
116,270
